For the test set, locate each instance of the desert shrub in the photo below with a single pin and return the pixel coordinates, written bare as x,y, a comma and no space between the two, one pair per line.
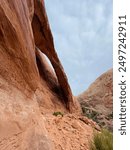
58,113
102,141
102,124
110,116
91,114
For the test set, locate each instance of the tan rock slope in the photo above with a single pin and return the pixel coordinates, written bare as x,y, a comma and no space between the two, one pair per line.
97,100
30,89
70,132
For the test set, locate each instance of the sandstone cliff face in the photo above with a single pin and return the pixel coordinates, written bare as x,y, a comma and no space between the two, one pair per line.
24,31
28,85
97,101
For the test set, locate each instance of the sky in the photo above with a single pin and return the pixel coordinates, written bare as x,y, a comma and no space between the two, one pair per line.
82,32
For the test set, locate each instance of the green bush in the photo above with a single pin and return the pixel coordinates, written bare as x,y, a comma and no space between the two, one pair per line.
102,141
58,113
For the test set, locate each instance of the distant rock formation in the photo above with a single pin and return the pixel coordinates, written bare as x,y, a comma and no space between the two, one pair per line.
97,100
27,82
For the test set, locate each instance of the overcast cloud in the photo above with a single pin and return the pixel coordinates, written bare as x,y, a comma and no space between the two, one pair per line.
82,31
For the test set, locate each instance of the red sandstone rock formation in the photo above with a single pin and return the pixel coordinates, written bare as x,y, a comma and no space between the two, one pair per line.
98,99
27,82
24,29
44,41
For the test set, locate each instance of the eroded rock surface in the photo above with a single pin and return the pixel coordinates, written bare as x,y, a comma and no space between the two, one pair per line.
28,85
70,132
97,100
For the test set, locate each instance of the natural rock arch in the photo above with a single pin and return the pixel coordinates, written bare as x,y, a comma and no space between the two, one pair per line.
44,41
